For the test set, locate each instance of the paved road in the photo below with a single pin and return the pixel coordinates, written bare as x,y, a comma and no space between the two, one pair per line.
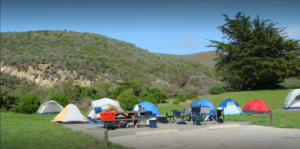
198,136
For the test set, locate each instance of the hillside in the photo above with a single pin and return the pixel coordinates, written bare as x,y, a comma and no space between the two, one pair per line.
48,57
206,58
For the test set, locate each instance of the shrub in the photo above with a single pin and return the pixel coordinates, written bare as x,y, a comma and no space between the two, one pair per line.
181,97
125,94
154,90
62,99
29,104
144,94
117,91
216,90
175,103
160,97
95,97
129,102
149,98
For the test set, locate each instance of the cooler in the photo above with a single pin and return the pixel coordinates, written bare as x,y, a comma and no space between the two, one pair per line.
161,119
152,123
97,109
108,115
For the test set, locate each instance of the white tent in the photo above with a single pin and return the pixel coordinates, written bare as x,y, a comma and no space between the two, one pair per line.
70,114
292,100
105,103
231,107
50,107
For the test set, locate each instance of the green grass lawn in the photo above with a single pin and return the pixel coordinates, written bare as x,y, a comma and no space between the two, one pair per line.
274,98
36,131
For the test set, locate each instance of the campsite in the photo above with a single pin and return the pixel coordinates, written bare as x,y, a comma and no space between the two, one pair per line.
150,74
19,127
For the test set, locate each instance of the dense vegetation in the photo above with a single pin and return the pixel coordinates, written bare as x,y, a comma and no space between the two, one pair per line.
256,54
98,58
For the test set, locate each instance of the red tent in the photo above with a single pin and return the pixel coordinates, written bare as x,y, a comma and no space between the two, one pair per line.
256,106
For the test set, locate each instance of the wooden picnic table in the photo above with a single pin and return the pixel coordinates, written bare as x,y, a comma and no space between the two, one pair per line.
128,116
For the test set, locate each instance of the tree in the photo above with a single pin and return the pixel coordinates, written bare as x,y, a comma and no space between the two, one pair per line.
29,104
256,53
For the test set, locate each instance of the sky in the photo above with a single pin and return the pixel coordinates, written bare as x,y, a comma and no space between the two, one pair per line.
178,27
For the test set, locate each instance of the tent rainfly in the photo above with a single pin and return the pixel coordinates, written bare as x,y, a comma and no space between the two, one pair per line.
70,114
49,107
231,107
292,100
256,106
148,106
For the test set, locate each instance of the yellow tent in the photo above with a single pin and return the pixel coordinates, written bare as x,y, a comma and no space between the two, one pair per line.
70,114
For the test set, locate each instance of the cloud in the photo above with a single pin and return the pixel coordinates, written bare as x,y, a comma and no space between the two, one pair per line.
189,41
293,31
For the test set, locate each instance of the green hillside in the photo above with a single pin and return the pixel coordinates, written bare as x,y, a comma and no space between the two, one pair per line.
98,58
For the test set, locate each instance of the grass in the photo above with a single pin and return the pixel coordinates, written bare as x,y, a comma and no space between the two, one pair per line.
36,131
274,98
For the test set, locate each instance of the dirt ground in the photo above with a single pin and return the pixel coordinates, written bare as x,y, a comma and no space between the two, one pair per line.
198,136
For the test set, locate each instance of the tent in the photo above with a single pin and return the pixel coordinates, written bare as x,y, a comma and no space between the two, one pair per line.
206,105
70,114
256,106
49,107
292,100
148,106
105,103
231,107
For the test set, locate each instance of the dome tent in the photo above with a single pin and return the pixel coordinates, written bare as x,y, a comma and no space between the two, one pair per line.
205,104
70,114
148,106
256,106
49,107
105,103
292,100
231,107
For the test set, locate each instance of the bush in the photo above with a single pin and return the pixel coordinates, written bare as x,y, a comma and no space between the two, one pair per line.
125,94
216,90
181,97
144,94
175,103
129,102
95,97
62,99
117,91
160,97
149,98
29,104
154,90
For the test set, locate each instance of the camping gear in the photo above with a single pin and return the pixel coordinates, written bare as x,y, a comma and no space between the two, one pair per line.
152,123
148,106
231,107
216,117
106,104
256,106
177,116
197,120
97,109
292,100
49,107
108,115
70,114
161,119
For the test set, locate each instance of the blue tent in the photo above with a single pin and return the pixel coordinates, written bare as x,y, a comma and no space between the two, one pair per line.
203,102
148,106
231,107
224,103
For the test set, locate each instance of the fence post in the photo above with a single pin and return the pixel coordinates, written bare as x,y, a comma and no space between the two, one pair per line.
105,137
271,117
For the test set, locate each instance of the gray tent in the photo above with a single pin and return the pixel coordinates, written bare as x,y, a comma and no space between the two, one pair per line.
49,107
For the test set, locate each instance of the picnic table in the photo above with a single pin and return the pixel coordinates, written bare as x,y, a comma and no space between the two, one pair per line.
128,116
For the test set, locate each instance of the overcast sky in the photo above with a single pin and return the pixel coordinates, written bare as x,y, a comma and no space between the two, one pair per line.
161,26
